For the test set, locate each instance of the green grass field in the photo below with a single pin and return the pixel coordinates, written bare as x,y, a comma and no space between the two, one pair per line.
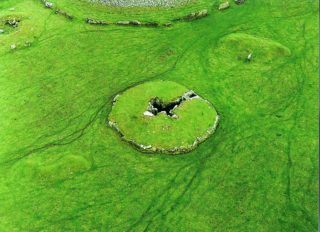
63,169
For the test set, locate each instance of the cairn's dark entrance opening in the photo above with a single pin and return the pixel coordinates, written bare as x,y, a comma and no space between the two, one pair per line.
156,105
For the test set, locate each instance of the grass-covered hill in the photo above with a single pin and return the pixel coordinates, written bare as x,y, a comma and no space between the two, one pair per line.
63,169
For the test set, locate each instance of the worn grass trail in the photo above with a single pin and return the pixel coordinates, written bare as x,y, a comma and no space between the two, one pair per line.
63,169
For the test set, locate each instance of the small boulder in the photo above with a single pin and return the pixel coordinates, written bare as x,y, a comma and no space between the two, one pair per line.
151,24
13,22
90,21
27,44
148,113
1,31
202,13
13,46
96,22
123,23
189,95
238,2
167,24
48,4
224,6
195,15
135,23
174,116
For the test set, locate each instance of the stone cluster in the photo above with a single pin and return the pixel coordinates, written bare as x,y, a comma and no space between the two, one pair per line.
125,23
13,22
97,22
137,23
50,5
224,6
194,15
238,2
64,13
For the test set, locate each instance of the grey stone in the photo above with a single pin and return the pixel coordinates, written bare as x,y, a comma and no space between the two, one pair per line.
202,13
123,23
238,2
151,24
135,23
224,6
48,4
13,22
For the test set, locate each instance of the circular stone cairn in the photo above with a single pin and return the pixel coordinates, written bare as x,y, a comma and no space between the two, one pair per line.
142,3
163,116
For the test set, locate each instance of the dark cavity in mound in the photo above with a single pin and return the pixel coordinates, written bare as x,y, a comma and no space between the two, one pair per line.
156,105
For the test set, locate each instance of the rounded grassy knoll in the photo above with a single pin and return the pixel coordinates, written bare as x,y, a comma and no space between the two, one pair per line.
163,116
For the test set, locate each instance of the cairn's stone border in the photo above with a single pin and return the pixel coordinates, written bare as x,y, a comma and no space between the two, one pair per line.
147,148
135,23
190,17
193,16
50,5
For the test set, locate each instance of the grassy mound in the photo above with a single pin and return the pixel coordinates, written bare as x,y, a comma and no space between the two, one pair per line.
196,118
236,47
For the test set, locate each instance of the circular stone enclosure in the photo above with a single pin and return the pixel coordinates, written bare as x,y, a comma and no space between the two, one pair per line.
163,116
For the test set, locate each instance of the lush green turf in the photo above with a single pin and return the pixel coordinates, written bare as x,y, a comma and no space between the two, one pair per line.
63,169
195,117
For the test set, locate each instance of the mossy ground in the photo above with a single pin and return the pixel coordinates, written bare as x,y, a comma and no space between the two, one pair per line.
194,117
257,173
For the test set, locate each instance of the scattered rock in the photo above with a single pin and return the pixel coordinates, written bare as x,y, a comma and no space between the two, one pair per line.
194,15
27,44
48,4
135,23
145,147
224,6
249,57
238,2
123,23
189,95
148,113
97,22
63,13
201,13
13,46
151,24
167,24
13,22
115,98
